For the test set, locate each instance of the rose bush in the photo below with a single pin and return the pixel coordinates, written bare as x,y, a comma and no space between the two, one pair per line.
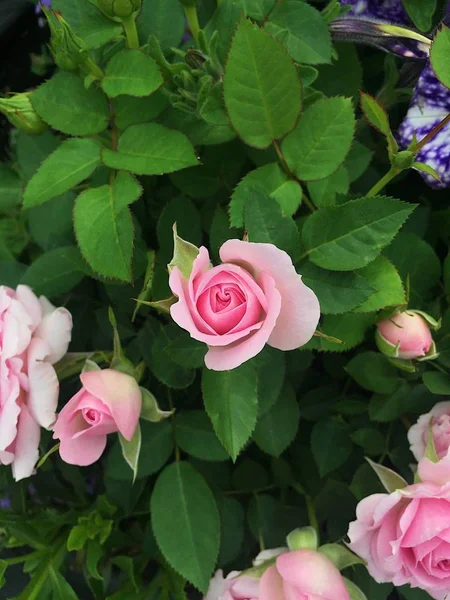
241,210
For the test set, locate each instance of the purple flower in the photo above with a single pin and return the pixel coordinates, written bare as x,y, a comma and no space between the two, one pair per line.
429,106
47,3
385,10
5,503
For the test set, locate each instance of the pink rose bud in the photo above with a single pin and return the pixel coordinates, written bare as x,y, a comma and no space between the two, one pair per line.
303,574
109,401
234,587
404,536
405,335
254,298
34,335
439,420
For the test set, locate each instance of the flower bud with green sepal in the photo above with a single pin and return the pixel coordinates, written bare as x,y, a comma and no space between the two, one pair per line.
119,9
304,538
69,50
20,112
404,160
406,336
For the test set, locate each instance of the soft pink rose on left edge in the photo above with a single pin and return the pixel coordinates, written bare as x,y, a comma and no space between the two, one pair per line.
108,402
439,420
34,335
234,587
255,297
405,536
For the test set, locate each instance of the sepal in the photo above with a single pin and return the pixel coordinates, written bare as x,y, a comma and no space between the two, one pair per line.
150,409
340,556
184,254
304,538
390,480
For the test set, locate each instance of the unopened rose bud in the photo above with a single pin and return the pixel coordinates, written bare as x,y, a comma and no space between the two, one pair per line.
69,50
120,9
405,335
20,113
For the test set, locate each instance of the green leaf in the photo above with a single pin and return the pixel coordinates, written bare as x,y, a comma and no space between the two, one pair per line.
66,105
55,272
10,188
232,520
420,13
164,19
72,162
50,224
337,292
417,264
232,405
440,51
78,537
156,448
160,362
377,116
151,149
186,351
94,553
195,435
370,439
357,161
129,110
321,140
331,445
32,150
390,480
275,182
390,406
12,272
262,108
220,231
437,383
61,589
186,523
349,328
131,450
265,222
324,191
133,73
385,280
303,30
88,22
276,430
374,373
126,564
104,226
271,369
360,230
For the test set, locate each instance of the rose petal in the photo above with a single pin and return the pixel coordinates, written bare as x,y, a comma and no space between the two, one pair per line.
28,299
300,310
271,585
221,358
120,393
56,329
312,573
26,446
43,384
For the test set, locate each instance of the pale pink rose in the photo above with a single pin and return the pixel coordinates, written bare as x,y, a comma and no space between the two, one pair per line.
405,536
234,587
303,575
255,297
439,420
109,401
410,331
34,335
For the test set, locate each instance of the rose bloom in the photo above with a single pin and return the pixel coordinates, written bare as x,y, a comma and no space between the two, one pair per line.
109,401
34,335
405,536
410,331
439,419
303,575
234,587
255,297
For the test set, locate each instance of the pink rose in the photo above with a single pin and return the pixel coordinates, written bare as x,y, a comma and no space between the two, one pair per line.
254,297
234,587
109,401
405,536
34,335
408,331
303,575
439,419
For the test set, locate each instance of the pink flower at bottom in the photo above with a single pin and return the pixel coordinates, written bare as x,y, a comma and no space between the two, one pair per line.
234,587
303,575
109,401
405,536
255,297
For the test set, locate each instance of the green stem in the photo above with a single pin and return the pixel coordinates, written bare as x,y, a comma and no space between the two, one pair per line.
390,175
309,505
219,2
16,560
192,18
129,26
94,69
